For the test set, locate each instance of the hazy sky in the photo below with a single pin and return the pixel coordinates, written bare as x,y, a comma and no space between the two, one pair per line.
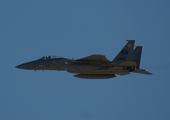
30,29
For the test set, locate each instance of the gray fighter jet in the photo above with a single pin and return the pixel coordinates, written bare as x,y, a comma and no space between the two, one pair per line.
94,66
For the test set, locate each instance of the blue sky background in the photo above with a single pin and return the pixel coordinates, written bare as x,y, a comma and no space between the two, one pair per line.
30,29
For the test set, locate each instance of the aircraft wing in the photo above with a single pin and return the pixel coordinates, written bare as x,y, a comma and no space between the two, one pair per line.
94,57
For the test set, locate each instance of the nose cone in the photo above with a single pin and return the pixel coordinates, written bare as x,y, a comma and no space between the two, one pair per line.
23,66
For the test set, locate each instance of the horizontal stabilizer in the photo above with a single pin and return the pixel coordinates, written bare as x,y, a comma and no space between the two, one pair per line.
141,71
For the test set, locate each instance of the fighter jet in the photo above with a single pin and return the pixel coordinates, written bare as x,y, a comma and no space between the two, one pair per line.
95,66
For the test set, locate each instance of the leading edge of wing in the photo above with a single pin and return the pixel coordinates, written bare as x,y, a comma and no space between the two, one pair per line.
94,57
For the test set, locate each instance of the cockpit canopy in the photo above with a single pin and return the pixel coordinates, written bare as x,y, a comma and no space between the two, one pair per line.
48,57
54,57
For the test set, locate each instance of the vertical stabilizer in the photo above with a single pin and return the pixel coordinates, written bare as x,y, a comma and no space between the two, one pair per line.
126,53
137,55
136,58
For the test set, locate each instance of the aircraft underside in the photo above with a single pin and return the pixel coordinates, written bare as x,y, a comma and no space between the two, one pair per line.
100,72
